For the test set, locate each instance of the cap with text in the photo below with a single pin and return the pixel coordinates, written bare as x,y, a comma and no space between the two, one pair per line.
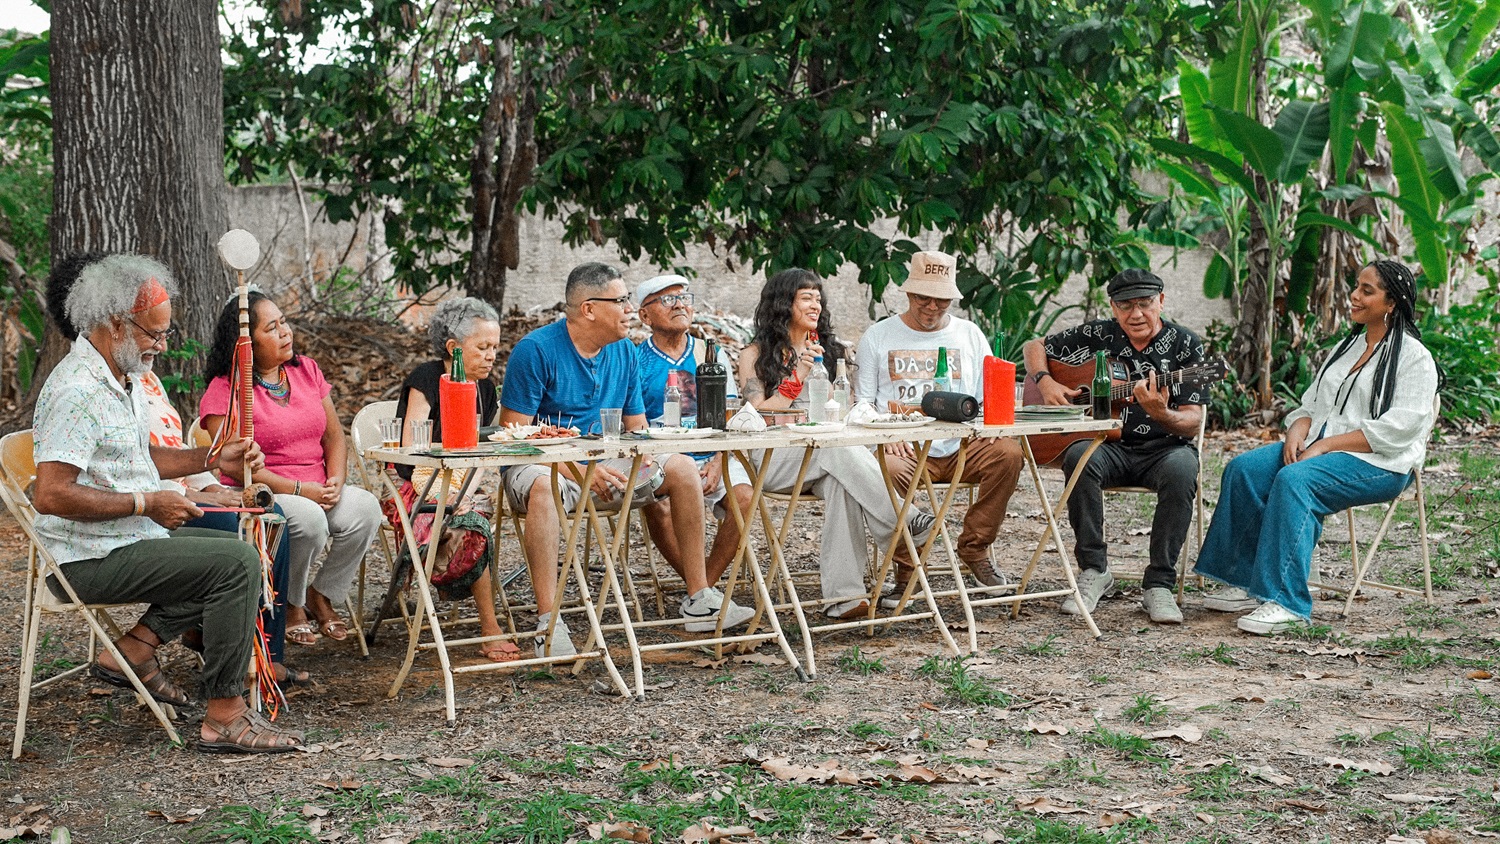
934,275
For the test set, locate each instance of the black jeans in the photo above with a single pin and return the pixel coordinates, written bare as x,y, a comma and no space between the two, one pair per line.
1168,468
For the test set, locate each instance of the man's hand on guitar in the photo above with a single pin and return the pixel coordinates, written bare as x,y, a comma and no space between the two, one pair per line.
1152,397
1053,392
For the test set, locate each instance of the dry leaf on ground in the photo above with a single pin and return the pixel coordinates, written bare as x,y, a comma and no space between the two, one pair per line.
625,831
1044,728
449,762
786,771
1417,799
1044,805
1186,732
1381,769
703,831
1269,774
186,817
341,784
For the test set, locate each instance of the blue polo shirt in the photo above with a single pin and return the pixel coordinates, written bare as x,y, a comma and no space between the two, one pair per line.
547,378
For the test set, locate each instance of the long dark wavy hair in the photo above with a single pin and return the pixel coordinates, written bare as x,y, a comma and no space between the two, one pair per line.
227,333
1400,287
773,321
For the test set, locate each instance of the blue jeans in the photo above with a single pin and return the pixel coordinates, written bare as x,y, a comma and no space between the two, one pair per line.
274,619
1270,516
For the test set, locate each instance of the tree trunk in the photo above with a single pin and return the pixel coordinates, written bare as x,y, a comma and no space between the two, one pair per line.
138,144
503,162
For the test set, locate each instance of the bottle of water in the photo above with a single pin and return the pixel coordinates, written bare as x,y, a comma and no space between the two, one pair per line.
671,415
841,390
817,389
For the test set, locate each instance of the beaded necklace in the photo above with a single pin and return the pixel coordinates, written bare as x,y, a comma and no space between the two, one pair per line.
279,392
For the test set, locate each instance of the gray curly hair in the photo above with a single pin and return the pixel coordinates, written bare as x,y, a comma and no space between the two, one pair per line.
109,287
454,320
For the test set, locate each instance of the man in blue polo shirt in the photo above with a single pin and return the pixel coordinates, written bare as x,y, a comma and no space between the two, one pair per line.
564,374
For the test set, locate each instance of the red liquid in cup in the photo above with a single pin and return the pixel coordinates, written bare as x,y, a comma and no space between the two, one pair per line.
457,408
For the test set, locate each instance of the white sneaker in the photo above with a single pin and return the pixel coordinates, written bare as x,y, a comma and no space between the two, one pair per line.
700,613
1092,585
1161,605
562,642
1269,618
1232,599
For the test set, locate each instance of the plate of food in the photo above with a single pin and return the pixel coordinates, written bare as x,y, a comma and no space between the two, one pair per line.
680,433
535,434
815,427
897,420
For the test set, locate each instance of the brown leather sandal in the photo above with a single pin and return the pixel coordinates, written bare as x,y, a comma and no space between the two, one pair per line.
150,674
249,732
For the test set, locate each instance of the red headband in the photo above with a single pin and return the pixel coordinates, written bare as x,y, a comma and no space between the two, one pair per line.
151,294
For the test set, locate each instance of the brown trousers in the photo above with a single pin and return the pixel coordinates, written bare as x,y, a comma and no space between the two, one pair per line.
995,464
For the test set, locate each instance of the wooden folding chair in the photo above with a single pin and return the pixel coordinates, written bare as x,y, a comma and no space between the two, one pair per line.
17,472
1361,566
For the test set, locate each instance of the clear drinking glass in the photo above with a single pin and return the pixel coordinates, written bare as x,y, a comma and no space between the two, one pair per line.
421,434
390,433
609,422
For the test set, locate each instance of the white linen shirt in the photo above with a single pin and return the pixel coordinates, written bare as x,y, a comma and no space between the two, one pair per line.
1338,404
84,418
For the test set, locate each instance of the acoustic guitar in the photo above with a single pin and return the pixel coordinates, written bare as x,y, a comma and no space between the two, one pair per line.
1049,447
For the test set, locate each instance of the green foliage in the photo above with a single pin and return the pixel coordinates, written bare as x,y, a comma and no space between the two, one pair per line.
25,186
249,825
781,132
1146,709
853,661
1466,344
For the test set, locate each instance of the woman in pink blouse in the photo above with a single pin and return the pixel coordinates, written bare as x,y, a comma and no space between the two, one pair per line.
299,432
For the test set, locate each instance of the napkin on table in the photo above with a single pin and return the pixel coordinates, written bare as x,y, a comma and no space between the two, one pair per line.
746,419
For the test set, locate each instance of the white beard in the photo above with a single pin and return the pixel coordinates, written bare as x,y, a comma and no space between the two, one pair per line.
130,359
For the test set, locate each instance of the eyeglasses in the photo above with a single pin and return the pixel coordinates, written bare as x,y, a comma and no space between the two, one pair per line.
671,300
929,302
157,337
1143,305
622,301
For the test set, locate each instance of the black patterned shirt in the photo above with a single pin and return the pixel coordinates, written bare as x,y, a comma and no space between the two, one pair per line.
1173,347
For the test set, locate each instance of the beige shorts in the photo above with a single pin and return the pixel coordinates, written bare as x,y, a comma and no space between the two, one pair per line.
519,480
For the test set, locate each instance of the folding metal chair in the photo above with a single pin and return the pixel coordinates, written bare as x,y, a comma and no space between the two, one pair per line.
17,472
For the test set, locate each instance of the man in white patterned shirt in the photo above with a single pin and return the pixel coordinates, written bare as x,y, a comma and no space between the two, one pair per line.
106,520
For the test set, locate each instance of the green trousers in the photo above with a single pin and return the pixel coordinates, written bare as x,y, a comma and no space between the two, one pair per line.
194,577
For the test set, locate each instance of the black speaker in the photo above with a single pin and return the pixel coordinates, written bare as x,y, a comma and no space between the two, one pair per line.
950,407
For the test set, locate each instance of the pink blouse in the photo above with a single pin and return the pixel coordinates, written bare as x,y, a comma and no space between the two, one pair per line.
291,434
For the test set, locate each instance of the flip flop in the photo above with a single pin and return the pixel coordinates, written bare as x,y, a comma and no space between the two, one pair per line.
302,634
500,651
336,629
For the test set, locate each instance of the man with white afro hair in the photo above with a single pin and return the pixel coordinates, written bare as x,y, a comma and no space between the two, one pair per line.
117,534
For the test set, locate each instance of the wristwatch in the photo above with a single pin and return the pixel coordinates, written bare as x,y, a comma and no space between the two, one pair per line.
1036,377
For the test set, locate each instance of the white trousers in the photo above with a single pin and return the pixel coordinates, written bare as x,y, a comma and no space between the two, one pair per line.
352,525
854,499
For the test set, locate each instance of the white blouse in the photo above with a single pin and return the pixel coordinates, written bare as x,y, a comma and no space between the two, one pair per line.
1339,403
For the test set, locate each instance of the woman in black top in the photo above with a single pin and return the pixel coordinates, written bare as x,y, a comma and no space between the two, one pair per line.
467,549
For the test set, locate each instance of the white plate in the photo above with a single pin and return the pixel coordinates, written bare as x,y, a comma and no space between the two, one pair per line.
680,433
520,434
905,423
816,427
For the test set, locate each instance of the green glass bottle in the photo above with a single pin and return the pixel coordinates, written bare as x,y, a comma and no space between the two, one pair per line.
456,374
941,382
1100,388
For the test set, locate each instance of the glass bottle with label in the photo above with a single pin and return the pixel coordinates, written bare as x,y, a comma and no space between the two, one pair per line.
671,408
1100,388
941,382
713,387
841,389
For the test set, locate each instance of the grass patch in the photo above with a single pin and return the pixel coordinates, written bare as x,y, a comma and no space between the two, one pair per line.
1125,745
1216,785
960,685
1046,647
1221,653
853,661
1145,710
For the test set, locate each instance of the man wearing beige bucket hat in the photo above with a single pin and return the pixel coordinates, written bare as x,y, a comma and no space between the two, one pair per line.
897,361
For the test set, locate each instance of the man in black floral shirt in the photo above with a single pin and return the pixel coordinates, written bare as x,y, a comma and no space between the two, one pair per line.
1156,439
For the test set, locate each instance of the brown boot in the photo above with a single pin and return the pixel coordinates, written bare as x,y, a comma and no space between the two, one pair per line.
984,572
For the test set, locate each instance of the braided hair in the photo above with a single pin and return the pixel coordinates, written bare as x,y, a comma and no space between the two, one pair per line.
1400,288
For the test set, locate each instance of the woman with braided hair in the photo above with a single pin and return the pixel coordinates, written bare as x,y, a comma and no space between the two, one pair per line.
1360,433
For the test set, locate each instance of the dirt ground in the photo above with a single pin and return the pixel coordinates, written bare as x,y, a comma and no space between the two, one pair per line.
1379,728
